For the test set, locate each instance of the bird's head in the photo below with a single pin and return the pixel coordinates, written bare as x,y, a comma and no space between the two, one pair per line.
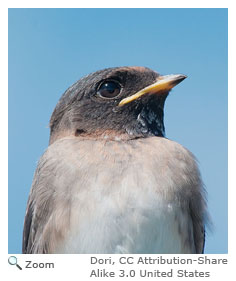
125,102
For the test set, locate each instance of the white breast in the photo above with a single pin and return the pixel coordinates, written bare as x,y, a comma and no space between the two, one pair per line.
143,224
117,206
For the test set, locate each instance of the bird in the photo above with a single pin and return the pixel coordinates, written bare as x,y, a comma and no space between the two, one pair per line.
110,181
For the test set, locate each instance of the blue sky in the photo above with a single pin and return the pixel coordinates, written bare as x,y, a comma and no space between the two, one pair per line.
49,49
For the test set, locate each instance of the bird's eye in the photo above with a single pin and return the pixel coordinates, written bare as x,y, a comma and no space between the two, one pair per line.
109,89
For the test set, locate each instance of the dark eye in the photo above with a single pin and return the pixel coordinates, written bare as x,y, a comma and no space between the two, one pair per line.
109,89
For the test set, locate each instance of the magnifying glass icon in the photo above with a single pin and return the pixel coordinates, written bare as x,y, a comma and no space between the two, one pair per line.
12,260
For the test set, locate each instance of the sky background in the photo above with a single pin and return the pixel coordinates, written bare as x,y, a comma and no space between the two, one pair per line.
50,49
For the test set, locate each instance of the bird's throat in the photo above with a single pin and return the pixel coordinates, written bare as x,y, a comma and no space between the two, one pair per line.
151,121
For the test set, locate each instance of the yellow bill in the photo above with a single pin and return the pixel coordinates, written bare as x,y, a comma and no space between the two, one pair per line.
163,84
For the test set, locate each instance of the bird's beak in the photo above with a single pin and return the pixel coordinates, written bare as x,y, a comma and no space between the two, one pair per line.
163,85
